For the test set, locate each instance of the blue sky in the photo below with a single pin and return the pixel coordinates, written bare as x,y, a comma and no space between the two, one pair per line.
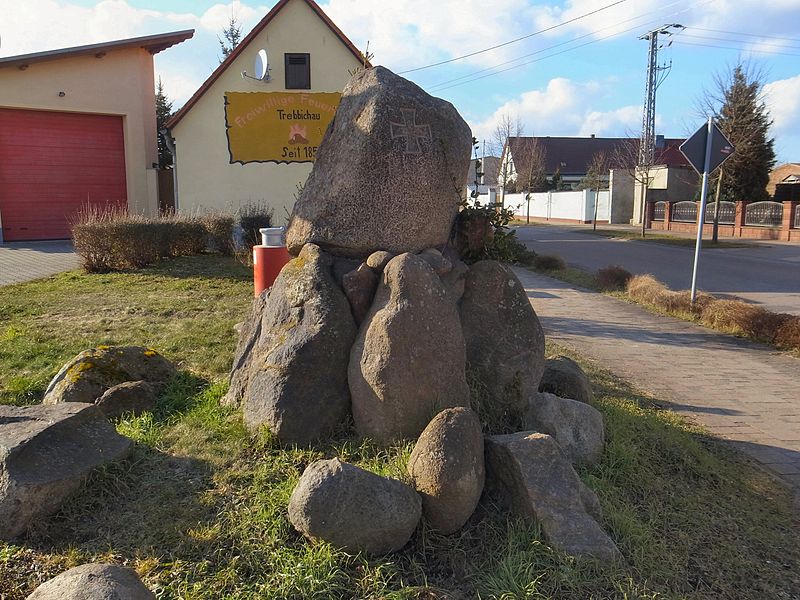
594,85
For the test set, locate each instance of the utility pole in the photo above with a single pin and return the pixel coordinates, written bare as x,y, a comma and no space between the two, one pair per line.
655,77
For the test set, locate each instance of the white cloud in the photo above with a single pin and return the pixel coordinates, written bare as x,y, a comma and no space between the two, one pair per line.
783,101
563,107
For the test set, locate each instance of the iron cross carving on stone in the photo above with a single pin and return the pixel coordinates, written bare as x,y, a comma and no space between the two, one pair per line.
412,132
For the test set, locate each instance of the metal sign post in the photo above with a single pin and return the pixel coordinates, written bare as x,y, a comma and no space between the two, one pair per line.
707,149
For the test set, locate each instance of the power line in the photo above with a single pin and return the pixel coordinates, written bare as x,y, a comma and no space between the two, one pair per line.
722,39
740,49
524,37
580,37
755,35
442,86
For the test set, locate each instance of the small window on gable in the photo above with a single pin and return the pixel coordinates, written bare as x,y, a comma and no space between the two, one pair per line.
298,71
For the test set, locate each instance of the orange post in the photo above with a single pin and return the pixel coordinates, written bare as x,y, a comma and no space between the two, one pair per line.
267,263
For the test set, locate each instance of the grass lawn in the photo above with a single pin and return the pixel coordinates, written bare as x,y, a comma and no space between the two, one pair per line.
199,510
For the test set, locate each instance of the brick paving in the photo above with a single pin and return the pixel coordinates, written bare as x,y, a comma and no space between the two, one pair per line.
24,261
740,391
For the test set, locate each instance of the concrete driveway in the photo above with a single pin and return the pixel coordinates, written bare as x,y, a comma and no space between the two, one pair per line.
24,261
767,274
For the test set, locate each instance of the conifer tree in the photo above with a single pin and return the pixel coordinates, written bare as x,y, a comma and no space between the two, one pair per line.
232,35
163,113
743,117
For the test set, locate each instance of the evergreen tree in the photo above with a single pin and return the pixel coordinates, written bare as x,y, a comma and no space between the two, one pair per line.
232,35
744,119
163,113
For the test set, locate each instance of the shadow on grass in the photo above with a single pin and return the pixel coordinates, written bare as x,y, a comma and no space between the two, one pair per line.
206,266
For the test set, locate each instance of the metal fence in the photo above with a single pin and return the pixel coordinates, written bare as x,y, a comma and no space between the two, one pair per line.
764,214
727,212
659,210
685,211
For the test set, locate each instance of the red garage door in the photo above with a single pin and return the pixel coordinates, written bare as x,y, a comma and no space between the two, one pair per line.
51,165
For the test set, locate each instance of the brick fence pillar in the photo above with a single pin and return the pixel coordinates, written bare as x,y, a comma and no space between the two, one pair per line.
668,215
738,220
788,218
650,209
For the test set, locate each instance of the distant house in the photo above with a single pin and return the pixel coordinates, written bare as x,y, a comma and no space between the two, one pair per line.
570,157
488,181
785,173
243,138
78,127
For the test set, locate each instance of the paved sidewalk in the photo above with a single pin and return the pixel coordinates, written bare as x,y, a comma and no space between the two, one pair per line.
24,261
738,390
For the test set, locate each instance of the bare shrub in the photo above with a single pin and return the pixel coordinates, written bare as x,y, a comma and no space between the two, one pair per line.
744,318
113,240
788,334
549,262
646,288
252,217
219,227
613,278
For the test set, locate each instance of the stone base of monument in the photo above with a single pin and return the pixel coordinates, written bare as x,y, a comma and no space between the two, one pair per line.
378,320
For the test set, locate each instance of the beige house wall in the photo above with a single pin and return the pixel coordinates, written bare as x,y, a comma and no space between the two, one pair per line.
119,82
207,181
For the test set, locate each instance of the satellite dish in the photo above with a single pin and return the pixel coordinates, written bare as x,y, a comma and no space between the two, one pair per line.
262,65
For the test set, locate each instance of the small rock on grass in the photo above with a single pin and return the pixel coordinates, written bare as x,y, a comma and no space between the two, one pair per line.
564,377
94,581
447,468
529,472
354,509
576,426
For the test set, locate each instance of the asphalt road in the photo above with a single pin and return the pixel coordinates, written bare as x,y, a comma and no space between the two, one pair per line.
764,274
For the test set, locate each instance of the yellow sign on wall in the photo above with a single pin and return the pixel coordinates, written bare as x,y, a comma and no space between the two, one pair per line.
280,127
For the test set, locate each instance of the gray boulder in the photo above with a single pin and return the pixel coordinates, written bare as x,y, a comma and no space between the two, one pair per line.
505,343
87,376
564,377
576,426
528,471
379,259
249,332
94,581
434,258
133,397
447,468
359,287
407,363
386,173
46,452
454,281
293,376
354,509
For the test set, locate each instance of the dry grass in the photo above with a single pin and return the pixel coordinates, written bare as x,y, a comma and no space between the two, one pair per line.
549,262
613,278
732,316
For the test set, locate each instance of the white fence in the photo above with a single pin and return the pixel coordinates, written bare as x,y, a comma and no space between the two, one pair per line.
568,206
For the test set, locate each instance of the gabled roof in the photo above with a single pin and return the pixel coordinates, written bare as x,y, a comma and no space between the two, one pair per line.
244,43
152,43
573,155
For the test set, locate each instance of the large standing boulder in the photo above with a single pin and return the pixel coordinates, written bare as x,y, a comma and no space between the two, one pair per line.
447,468
249,332
354,509
45,454
576,426
564,377
294,377
94,581
407,363
87,376
529,472
387,173
505,343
